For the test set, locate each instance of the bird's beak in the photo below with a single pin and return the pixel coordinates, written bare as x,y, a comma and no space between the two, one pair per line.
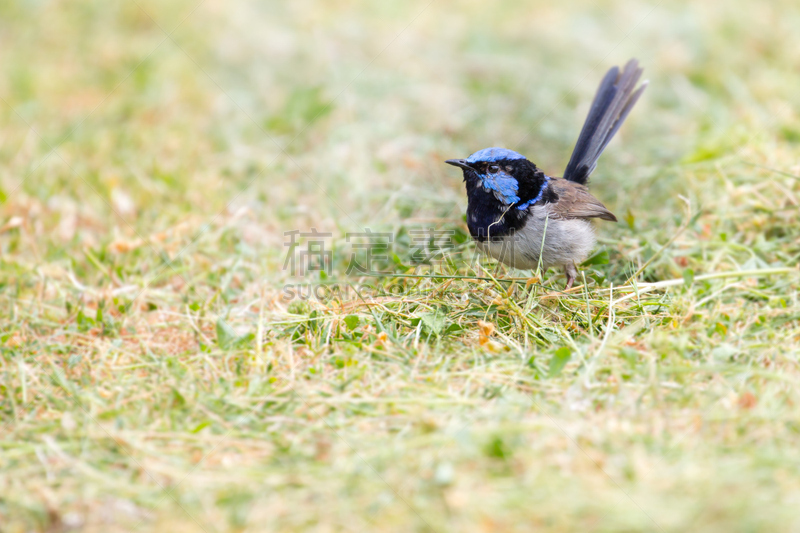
459,163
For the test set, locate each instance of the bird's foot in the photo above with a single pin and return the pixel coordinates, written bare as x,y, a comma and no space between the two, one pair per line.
571,272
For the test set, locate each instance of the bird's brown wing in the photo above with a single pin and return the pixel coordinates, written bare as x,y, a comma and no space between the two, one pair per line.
575,201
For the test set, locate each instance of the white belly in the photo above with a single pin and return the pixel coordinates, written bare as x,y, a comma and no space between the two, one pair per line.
557,242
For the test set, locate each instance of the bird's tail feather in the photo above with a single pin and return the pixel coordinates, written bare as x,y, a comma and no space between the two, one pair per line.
614,100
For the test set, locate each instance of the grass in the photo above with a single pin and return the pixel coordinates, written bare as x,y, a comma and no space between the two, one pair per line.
158,375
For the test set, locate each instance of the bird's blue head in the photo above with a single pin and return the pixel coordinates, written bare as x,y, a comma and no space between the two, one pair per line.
502,178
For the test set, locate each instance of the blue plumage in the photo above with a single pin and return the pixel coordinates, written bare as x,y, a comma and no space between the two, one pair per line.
503,184
494,154
526,219
499,180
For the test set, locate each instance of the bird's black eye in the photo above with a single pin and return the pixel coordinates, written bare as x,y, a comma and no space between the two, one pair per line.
493,169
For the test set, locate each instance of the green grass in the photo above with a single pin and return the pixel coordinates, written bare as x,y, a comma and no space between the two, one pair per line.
154,376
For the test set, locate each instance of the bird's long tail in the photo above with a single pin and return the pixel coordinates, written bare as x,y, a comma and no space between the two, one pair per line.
614,100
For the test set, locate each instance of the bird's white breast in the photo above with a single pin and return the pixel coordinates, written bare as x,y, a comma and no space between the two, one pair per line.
556,241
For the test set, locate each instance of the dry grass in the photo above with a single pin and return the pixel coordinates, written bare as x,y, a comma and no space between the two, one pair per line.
155,377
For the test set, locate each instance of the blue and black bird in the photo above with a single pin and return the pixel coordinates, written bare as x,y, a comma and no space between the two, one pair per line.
526,219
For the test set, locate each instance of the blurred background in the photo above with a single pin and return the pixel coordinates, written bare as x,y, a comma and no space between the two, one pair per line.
153,154
125,120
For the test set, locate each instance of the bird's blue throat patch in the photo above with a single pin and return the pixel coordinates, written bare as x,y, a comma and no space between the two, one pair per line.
494,154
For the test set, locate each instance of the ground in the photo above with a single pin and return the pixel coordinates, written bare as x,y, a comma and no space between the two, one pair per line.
163,367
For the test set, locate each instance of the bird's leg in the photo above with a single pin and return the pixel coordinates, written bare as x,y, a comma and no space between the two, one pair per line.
572,273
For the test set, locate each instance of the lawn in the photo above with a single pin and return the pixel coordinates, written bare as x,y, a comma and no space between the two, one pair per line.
198,333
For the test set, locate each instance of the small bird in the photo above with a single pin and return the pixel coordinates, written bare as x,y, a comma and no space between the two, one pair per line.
526,219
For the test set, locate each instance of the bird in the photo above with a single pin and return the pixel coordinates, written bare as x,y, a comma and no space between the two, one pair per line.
530,220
